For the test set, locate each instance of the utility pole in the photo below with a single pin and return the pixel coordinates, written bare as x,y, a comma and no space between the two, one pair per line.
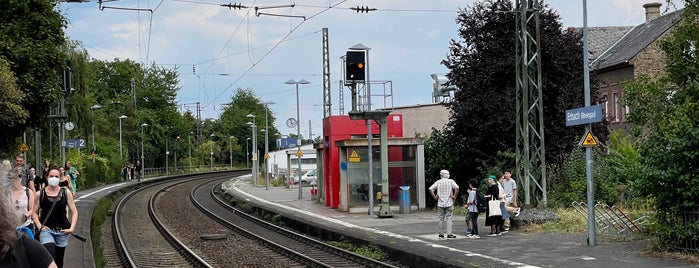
530,153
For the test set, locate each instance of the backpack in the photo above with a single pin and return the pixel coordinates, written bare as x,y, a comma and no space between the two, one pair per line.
480,202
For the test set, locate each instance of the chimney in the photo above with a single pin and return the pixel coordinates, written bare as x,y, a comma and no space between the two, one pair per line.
652,10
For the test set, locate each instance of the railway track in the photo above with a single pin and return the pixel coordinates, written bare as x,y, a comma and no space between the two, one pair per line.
305,250
141,239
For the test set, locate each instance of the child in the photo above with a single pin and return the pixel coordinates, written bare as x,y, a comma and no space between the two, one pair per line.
472,214
468,214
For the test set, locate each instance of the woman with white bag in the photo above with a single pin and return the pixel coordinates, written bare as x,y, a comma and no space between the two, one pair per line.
493,216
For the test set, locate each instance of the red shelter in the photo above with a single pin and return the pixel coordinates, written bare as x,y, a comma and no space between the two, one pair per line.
341,127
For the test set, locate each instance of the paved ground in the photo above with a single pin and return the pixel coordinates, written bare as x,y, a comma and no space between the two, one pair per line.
416,234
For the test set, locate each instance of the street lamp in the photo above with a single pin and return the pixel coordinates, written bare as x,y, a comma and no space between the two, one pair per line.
211,152
254,149
121,153
298,130
92,111
143,162
267,143
230,154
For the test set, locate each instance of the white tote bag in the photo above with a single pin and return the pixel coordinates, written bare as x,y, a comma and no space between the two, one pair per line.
494,208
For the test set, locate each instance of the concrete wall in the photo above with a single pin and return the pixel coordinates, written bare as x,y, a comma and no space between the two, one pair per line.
418,120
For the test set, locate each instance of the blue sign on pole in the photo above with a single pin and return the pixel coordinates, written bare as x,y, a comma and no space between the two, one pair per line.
75,143
584,115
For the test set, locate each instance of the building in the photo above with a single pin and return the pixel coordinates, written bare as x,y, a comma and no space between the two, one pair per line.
636,53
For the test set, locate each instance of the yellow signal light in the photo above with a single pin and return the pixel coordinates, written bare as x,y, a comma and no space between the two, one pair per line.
360,65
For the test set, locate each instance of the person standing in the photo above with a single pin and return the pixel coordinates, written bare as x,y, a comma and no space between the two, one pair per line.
22,199
472,210
53,224
492,194
39,182
21,164
138,170
510,187
446,191
74,174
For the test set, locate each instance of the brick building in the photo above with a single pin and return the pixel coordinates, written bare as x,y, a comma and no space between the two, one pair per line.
636,53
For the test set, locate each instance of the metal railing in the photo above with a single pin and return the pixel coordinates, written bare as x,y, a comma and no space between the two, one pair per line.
612,220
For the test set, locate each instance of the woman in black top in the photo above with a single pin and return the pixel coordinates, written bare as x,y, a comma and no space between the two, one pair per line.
492,193
54,227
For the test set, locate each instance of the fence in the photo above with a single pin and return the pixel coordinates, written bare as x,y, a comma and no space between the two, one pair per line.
613,221
690,220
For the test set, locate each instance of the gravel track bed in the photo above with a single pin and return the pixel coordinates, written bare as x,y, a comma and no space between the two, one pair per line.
188,224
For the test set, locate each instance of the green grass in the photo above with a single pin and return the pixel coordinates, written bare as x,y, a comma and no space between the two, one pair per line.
371,251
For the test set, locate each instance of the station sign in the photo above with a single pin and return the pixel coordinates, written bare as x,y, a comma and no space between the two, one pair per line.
75,143
584,115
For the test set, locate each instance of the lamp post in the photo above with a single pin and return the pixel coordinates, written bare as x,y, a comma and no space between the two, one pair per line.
121,152
298,130
92,111
211,151
143,162
189,142
230,154
247,153
254,149
267,143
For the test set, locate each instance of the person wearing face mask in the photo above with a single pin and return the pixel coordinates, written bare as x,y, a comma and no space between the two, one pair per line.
53,224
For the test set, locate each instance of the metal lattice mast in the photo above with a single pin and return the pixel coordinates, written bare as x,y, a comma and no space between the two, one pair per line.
530,159
327,100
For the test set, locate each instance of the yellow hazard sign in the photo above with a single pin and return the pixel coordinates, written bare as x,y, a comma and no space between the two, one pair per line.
299,153
266,156
24,147
589,140
354,157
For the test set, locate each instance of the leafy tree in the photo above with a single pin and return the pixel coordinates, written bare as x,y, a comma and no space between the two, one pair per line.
482,66
11,112
32,41
233,121
666,116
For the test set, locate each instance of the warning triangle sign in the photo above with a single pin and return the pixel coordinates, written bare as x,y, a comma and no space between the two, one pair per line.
589,140
354,157
24,147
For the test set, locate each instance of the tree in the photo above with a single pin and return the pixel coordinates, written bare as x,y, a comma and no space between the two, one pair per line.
32,42
234,121
666,117
482,65
11,112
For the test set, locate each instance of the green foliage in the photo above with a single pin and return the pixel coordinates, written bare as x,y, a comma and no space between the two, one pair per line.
568,182
482,65
666,115
11,112
370,251
32,42
624,162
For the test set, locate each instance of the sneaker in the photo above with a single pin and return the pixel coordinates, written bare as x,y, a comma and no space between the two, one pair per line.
476,236
517,212
499,234
492,235
504,232
468,231
469,236
451,236
441,236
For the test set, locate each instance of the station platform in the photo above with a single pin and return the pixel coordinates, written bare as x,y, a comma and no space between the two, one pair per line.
415,236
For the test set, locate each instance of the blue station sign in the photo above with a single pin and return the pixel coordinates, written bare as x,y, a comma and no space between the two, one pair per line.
584,115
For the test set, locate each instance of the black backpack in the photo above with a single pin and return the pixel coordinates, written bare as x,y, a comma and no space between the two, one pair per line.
480,202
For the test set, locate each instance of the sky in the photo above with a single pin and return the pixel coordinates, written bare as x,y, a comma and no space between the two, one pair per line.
217,50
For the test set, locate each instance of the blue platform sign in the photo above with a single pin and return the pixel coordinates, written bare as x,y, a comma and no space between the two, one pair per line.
584,115
75,143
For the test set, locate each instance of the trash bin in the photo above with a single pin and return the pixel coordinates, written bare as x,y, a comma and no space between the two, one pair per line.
404,200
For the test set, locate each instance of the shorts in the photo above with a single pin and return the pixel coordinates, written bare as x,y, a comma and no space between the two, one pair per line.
52,236
468,216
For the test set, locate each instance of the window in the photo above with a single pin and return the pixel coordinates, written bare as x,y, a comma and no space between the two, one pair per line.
617,109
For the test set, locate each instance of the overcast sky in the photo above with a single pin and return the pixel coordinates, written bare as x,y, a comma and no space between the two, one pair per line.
218,50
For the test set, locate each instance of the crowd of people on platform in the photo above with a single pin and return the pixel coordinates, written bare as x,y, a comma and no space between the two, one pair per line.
37,213
131,171
502,190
